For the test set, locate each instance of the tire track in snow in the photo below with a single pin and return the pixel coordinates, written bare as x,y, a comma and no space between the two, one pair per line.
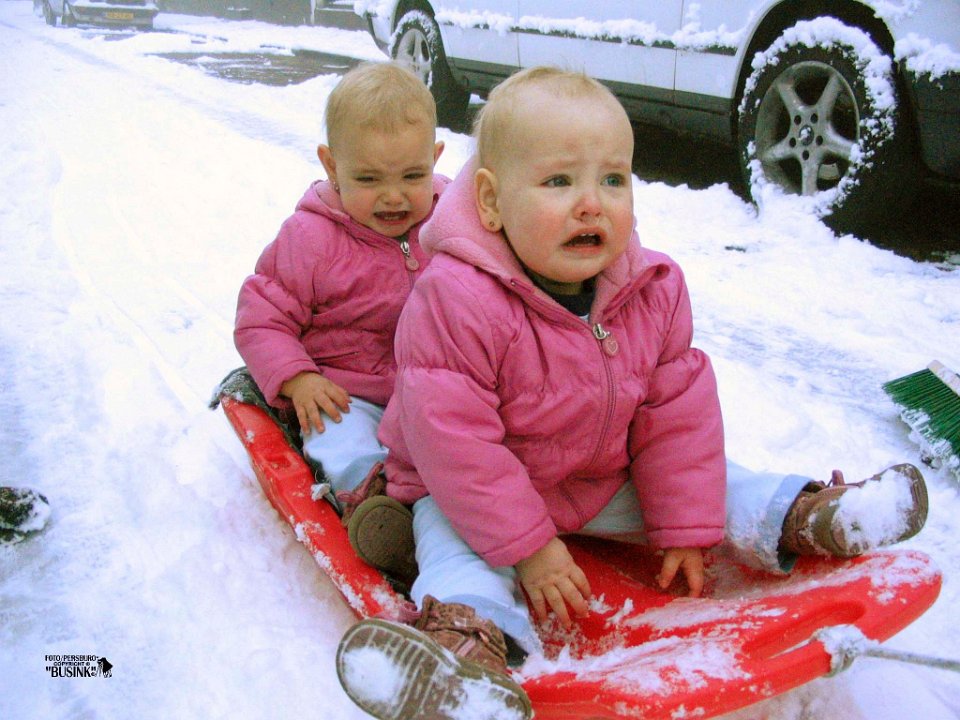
247,121
223,326
160,336
111,309
92,238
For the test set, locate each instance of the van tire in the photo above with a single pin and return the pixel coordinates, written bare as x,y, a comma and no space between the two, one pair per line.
417,45
810,124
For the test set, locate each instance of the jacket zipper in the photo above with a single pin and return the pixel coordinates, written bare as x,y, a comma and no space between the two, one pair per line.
607,347
409,260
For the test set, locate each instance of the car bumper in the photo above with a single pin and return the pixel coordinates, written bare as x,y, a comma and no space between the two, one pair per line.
937,104
110,14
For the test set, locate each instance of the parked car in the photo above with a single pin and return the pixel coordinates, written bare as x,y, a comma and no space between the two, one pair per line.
121,13
842,100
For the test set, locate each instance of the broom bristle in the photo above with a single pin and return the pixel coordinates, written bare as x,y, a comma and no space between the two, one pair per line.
930,405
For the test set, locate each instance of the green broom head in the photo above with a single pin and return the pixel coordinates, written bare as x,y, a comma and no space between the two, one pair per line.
929,402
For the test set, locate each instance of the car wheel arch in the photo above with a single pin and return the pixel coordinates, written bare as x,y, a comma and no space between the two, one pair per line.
405,6
416,36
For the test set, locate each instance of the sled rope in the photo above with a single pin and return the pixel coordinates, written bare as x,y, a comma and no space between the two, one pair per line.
914,658
846,643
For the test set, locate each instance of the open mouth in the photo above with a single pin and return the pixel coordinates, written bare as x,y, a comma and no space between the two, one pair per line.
585,240
392,217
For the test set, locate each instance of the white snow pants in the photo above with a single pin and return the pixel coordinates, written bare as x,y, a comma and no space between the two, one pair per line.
450,571
347,449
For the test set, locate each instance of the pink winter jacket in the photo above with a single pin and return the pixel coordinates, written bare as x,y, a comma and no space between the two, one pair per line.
522,420
325,296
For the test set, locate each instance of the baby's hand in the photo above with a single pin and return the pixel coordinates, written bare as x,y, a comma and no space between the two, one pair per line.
691,560
551,577
313,394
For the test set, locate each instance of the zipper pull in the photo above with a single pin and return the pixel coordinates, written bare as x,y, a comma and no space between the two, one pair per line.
607,341
409,260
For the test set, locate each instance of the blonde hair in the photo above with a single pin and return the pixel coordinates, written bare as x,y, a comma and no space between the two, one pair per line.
383,96
491,128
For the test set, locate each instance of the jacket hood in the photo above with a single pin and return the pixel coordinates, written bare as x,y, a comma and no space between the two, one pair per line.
321,199
455,229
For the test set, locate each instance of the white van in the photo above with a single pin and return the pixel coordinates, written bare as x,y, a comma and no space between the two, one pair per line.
840,99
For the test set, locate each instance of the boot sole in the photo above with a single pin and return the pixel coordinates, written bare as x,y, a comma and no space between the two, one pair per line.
395,672
921,501
381,533
918,490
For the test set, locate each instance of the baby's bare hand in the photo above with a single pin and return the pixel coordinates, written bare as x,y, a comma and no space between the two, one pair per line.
312,394
691,561
553,580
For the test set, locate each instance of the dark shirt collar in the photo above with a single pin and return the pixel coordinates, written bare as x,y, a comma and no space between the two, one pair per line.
578,304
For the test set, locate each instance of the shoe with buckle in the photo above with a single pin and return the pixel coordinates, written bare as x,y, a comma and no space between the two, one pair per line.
448,659
846,520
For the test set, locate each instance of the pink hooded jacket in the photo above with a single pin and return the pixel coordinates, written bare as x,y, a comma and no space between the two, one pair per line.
326,295
522,420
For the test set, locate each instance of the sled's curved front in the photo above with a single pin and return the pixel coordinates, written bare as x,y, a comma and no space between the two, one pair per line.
640,653
648,655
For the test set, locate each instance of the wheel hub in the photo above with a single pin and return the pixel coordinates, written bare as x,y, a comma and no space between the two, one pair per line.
807,127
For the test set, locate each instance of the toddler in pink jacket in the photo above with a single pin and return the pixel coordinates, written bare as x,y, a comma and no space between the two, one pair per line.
546,385
316,321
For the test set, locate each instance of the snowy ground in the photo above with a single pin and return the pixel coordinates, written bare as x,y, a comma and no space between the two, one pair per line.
137,194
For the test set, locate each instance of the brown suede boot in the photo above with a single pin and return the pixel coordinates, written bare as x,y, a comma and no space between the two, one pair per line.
448,659
844,521
380,528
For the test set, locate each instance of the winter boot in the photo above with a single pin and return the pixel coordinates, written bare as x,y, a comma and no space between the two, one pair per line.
844,521
450,661
22,511
380,528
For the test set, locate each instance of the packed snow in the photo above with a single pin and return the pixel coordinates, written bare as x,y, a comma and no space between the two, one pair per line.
138,193
827,32
878,512
926,58
372,671
482,699
649,668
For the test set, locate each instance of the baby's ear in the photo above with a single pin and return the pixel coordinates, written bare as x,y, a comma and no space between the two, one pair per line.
488,199
329,164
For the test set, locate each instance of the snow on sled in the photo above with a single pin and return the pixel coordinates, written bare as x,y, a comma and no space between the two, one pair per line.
640,653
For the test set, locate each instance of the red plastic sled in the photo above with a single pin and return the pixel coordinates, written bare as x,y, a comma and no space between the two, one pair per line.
641,653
